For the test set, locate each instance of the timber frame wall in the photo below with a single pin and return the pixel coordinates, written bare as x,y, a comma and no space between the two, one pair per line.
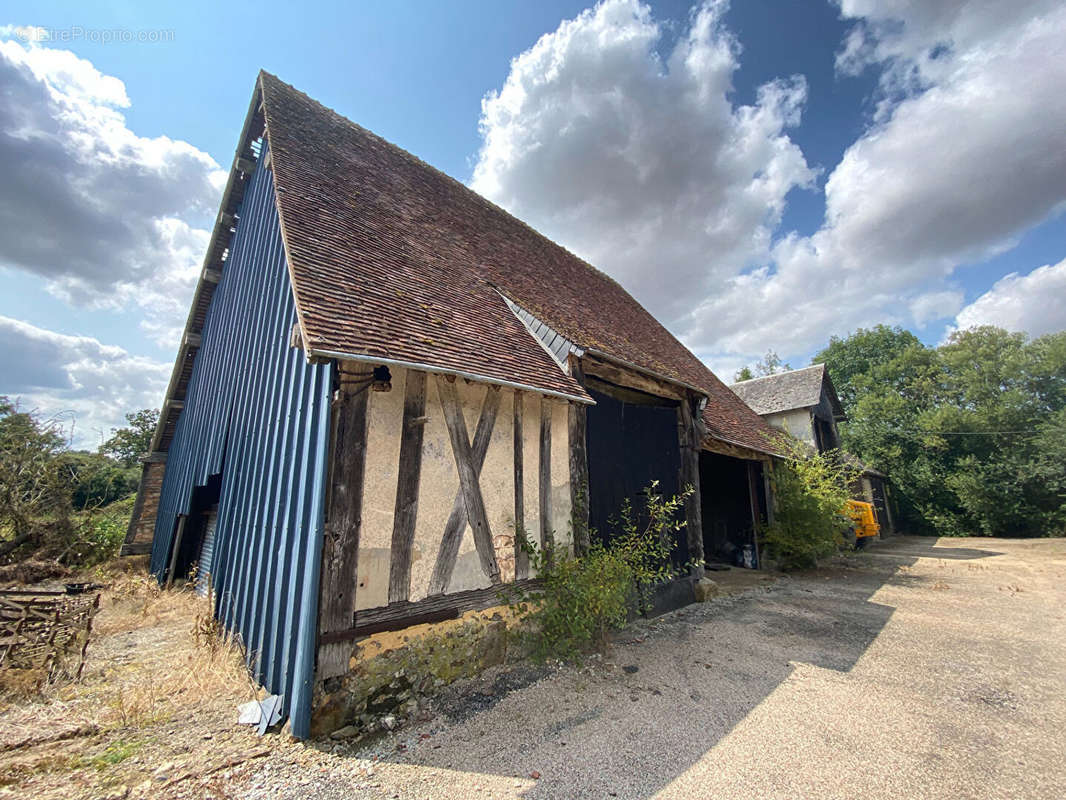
429,481
428,484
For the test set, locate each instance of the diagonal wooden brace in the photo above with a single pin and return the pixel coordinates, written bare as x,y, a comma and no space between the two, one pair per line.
468,462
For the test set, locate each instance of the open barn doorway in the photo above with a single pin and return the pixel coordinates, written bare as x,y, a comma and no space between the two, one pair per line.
733,498
196,544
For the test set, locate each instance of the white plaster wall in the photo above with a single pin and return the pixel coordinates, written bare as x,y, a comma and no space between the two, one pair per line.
439,484
796,422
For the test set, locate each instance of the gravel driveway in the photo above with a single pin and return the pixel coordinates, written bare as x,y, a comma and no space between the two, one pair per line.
920,668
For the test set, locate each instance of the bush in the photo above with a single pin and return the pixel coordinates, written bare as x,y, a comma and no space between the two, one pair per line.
810,492
96,480
583,598
98,534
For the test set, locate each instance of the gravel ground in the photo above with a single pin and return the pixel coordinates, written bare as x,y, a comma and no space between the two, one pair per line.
920,668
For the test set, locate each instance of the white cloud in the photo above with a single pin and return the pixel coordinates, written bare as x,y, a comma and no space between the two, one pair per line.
926,308
59,374
639,162
1033,303
106,217
967,159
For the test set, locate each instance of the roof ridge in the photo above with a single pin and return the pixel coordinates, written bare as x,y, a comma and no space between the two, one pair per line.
777,374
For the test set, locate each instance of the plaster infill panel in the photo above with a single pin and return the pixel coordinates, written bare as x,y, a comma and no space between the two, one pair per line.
384,416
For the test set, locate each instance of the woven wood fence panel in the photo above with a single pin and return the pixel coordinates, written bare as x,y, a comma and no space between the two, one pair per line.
46,632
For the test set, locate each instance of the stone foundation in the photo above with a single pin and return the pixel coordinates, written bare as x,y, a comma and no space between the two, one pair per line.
392,673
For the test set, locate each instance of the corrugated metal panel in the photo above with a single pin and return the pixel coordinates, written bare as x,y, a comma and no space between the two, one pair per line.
207,548
258,413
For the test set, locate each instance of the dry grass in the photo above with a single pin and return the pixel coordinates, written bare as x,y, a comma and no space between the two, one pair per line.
160,686
148,658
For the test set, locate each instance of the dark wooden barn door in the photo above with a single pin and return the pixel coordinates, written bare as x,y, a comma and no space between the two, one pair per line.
631,443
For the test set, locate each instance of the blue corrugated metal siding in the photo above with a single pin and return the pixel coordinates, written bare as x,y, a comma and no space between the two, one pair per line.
257,412
207,547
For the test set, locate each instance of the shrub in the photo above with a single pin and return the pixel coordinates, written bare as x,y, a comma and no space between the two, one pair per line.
810,492
581,599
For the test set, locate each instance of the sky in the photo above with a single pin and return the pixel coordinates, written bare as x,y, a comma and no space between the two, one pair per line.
760,175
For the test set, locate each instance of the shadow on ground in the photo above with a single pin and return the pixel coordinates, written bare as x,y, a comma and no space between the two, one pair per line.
674,686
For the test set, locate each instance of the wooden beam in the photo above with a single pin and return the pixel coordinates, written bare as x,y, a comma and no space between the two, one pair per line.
175,549
579,465
405,514
621,376
688,439
397,616
547,534
344,521
456,525
468,479
753,494
521,557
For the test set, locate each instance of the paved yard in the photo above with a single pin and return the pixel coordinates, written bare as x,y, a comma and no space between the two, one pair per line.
920,668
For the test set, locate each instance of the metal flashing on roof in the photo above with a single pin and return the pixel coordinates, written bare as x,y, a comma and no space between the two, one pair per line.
553,342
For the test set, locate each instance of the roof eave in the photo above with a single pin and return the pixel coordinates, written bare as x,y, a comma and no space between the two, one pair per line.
439,370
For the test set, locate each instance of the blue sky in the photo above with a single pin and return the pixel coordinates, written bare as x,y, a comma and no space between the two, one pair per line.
796,169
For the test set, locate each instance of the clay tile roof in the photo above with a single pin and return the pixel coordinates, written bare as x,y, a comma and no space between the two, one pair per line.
391,258
770,394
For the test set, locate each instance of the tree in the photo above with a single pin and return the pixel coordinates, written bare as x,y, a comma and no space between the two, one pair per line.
856,356
95,479
969,433
31,482
770,364
130,444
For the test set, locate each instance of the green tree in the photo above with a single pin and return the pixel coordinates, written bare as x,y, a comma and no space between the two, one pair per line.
96,480
130,444
967,432
857,356
769,364
31,483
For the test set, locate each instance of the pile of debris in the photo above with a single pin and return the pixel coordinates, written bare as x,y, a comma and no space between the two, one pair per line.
44,634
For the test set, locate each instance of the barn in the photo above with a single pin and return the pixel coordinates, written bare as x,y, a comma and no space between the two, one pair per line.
804,403
383,377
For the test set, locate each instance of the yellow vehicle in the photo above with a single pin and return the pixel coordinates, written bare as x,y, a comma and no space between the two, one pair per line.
863,521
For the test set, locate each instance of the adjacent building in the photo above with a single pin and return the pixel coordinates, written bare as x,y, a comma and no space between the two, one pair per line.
804,403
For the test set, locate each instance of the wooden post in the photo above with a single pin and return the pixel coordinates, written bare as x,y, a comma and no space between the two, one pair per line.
547,535
409,474
468,478
689,440
521,557
768,489
453,529
579,466
753,497
344,519
177,548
